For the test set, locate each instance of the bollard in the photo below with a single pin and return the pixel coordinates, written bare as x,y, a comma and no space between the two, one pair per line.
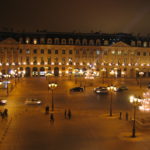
127,116
120,115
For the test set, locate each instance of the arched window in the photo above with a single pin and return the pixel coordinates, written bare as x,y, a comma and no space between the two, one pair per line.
34,41
56,41
49,41
132,43
70,41
139,43
42,41
106,42
98,42
145,44
78,42
27,40
63,41
84,42
91,42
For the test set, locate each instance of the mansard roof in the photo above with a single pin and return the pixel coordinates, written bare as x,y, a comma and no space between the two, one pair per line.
112,38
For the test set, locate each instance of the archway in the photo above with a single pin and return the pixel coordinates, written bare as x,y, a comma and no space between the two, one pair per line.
56,71
28,72
42,71
35,71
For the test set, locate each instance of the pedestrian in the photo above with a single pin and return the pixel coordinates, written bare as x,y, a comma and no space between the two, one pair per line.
69,114
84,87
51,118
46,109
127,116
120,116
0,113
5,112
65,114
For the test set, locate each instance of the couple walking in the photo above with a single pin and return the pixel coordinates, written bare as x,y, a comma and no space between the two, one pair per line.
68,114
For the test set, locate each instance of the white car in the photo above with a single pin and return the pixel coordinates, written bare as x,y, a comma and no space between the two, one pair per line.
3,102
33,101
101,90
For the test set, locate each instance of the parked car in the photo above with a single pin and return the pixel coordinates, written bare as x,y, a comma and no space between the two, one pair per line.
101,90
77,89
3,102
120,88
33,101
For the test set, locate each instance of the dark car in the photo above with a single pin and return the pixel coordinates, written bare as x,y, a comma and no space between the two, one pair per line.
121,88
77,89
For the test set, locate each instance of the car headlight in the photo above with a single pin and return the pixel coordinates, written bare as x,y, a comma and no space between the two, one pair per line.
98,91
4,101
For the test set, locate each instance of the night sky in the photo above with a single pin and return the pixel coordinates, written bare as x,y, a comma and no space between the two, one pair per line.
131,16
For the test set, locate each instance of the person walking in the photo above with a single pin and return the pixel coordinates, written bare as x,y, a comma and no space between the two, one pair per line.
69,114
120,116
46,109
5,112
51,118
127,116
65,114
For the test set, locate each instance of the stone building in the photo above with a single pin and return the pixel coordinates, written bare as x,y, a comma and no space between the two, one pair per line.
63,54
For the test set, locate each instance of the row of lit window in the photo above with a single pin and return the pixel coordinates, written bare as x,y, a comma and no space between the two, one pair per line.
49,51
81,63
126,53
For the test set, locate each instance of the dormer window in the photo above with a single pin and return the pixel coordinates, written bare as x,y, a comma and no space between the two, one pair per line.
63,41
84,42
49,41
98,42
27,40
57,41
70,41
106,42
34,41
91,42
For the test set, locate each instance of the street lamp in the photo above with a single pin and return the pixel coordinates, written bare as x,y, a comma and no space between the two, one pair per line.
141,75
81,74
123,74
111,89
112,74
136,102
7,76
103,72
1,77
52,86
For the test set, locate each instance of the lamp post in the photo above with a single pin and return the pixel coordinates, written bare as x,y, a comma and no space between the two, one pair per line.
103,72
135,101
52,86
81,74
111,89
123,74
112,74
141,75
7,83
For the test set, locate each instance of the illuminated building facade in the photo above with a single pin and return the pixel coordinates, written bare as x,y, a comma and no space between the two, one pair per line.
63,54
